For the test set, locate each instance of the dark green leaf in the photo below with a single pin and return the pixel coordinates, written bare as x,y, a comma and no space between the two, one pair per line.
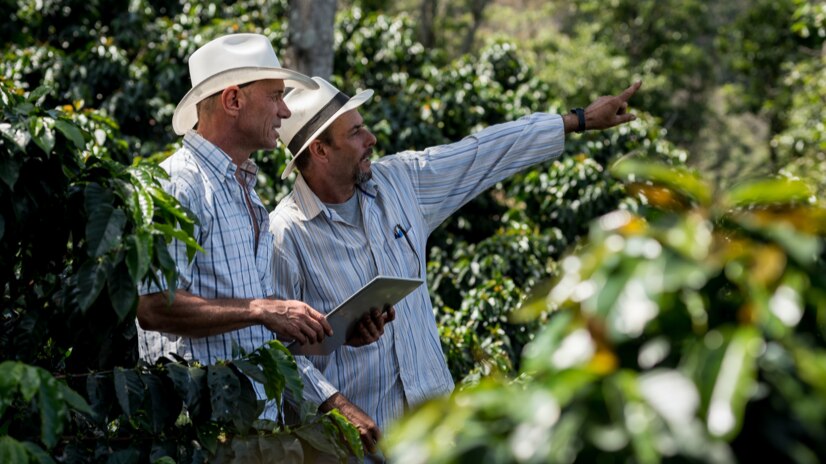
322,436
138,249
208,436
127,456
100,390
122,291
52,410
250,370
225,390
74,400
12,451
9,171
162,410
247,410
71,132
36,454
104,229
190,384
129,390
91,279
2,226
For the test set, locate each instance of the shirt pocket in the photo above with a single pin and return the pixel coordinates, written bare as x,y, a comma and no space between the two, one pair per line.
402,251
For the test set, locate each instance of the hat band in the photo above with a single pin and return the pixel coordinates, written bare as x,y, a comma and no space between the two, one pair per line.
318,120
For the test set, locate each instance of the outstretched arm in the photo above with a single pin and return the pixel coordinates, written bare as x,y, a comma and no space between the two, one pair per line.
193,316
604,112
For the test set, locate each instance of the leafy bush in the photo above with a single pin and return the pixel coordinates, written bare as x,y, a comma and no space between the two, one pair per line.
693,330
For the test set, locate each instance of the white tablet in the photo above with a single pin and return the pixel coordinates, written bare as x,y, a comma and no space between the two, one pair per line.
377,293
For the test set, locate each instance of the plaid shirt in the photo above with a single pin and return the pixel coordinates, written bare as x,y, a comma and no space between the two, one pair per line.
322,259
202,178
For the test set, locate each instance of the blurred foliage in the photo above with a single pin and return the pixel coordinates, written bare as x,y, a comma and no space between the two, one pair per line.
691,330
82,221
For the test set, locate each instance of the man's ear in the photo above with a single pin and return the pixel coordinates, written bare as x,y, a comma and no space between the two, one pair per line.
319,150
232,100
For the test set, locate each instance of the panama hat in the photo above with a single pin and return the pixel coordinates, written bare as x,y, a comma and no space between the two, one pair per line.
312,112
233,59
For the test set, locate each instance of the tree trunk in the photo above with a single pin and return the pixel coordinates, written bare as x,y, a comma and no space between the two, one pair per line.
310,37
477,9
426,19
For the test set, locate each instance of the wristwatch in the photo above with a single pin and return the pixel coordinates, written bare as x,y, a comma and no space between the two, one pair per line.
580,115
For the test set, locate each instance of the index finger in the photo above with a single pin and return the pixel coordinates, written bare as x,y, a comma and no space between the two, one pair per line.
630,91
323,321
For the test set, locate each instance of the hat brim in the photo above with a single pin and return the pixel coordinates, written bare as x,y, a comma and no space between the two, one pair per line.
186,115
351,104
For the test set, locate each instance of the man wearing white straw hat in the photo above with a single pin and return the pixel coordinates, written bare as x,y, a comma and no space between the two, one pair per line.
223,297
347,220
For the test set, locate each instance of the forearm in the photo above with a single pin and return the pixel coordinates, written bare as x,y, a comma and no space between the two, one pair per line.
193,316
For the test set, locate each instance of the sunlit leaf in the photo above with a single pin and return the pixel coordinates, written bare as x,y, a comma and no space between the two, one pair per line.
769,191
12,451
680,179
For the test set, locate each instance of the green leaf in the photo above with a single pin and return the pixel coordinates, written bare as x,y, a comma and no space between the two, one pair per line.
168,268
10,374
180,235
35,94
12,451
52,410
129,390
679,179
16,135
138,248
29,382
71,132
163,407
190,385
100,391
126,456
42,133
145,207
769,191
323,436
250,370
348,431
225,389
733,382
91,278
74,400
9,171
37,454
2,226
104,229
122,291
164,460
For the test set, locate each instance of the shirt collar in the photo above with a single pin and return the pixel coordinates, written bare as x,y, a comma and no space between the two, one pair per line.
310,206
217,161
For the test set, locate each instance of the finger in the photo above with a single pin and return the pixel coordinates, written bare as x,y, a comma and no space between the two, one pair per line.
623,108
390,314
317,316
369,443
313,330
630,91
623,118
298,337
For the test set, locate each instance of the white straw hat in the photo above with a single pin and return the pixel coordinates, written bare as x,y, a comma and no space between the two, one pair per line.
312,112
233,59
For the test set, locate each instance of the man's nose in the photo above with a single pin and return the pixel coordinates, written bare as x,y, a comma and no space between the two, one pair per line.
284,111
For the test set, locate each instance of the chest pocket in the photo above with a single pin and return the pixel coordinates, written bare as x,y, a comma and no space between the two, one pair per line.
402,250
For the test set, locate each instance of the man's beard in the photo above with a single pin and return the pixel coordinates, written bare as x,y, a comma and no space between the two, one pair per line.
361,177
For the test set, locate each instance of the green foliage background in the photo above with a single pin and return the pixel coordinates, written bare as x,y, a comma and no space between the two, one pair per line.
732,91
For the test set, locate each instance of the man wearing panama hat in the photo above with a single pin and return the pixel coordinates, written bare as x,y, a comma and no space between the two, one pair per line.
348,219
223,298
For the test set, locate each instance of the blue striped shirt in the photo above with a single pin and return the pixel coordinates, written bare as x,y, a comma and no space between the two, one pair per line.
321,259
202,178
